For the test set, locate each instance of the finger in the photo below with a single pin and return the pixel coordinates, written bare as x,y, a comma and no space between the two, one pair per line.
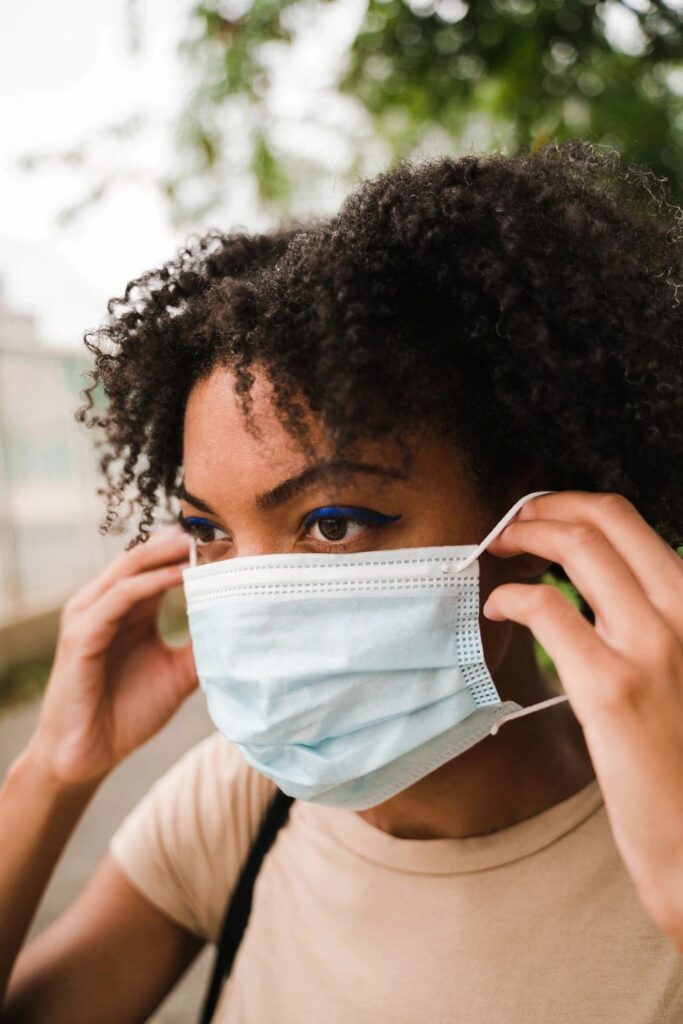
105,615
166,547
585,664
172,686
142,617
147,610
656,566
626,618
186,670
174,678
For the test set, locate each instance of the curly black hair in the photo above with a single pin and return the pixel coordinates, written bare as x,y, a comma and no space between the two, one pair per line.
526,307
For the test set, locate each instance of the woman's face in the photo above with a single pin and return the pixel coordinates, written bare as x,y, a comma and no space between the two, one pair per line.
261,495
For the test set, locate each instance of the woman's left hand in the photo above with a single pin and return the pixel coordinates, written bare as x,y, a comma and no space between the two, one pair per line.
623,675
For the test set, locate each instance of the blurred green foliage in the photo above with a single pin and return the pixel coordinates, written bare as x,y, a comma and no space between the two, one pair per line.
570,592
536,69
572,595
444,75
24,681
402,78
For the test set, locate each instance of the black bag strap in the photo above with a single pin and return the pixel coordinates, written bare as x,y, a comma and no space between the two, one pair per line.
239,906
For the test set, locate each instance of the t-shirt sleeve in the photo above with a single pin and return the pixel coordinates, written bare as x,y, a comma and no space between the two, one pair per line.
183,845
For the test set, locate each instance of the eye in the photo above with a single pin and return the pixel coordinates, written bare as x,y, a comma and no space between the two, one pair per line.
340,523
203,530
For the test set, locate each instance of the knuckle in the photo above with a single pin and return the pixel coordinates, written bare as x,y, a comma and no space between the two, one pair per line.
120,563
655,646
584,535
612,503
132,561
541,597
70,635
68,609
668,655
125,587
129,561
625,690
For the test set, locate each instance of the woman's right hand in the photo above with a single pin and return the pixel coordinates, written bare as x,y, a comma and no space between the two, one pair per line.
114,682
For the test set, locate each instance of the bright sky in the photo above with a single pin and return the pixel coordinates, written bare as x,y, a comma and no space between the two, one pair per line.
67,72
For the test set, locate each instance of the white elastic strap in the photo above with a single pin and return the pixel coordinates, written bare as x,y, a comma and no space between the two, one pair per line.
498,528
526,711
193,551
468,561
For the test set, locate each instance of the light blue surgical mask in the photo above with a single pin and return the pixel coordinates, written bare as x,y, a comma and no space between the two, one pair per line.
345,678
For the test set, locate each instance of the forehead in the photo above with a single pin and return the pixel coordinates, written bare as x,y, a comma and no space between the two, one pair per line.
217,437
214,409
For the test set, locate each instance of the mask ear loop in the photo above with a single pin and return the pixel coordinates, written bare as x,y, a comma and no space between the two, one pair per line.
527,711
472,558
498,528
543,703
193,551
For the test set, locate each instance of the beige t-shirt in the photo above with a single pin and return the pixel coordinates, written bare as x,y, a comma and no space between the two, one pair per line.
536,924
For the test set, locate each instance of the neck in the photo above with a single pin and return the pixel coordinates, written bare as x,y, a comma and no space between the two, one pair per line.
532,764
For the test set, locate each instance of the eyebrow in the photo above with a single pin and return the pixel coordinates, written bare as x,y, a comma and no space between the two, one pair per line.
294,485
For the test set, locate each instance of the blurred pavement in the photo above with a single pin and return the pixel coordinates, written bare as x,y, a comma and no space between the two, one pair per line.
118,794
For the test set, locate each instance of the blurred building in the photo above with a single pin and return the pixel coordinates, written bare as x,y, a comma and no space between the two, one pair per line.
49,507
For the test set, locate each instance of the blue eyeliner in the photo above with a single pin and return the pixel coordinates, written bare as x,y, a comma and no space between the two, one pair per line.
358,515
196,520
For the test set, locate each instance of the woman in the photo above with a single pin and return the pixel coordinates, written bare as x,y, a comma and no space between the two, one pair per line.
349,394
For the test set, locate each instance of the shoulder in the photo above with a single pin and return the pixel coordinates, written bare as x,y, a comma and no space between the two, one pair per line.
183,845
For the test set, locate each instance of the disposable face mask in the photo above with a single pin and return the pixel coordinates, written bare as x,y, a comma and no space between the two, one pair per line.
346,678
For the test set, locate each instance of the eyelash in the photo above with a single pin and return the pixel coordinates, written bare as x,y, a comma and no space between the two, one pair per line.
361,516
